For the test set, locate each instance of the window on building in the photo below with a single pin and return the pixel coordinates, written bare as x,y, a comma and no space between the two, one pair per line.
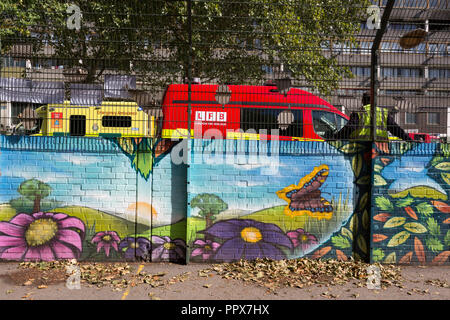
401,72
439,73
433,118
410,118
439,49
360,71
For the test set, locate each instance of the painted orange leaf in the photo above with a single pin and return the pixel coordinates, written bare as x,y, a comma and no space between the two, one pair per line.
340,255
418,248
385,160
411,212
441,206
441,258
383,217
406,258
321,252
446,221
379,237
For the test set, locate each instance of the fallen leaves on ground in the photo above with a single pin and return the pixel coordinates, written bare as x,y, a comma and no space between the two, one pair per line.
299,273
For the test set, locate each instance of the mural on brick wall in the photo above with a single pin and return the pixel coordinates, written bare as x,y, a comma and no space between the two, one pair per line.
126,201
87,205
305,208
412,211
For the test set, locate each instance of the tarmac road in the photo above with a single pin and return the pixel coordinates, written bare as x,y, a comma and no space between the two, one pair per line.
420,283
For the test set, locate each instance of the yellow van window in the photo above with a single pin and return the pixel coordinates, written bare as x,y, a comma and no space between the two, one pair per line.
116,121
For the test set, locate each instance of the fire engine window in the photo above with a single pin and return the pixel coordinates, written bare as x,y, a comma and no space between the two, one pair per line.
116,121
77,125
288,122
327,122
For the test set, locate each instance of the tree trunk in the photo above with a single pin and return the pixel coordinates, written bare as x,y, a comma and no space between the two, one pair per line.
37,204
209,223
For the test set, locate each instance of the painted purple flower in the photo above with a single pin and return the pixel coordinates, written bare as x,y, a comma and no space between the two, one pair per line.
106,240
206,248
136,247
164,248
248,239
41,236
302,238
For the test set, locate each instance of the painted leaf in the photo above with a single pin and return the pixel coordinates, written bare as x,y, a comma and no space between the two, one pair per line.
394,222
321,252
363,201
340,242
443,166
406,258
378,180
377,168
404,202
391,258
351,148
415,227
446,177
382,217
433,226
441,206
362,244
418,248
436,161
411,213
384,203
377,254
340,255
446,221
385,160
424,208
434,244
347,233
379,237
353,225
447,238
364,180
365,219
398,239
357,163
441,258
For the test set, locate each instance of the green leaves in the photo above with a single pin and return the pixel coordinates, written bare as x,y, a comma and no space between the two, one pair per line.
384,203
433,226
340,242
377,254
424,208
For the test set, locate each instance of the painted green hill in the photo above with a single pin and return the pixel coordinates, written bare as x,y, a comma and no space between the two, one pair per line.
103,221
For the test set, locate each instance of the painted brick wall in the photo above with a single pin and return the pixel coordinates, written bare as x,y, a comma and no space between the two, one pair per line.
410,218
295,203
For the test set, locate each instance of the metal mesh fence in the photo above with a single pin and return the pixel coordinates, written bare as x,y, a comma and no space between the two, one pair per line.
254,69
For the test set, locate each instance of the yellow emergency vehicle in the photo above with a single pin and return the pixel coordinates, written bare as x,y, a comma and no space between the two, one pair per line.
110,119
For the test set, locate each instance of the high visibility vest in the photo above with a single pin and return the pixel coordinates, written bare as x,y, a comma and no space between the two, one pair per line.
363,132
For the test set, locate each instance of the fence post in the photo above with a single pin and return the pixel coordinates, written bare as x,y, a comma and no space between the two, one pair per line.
373,102
189,124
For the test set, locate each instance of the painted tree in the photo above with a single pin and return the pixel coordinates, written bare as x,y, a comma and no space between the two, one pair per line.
232,41
33,192
210,206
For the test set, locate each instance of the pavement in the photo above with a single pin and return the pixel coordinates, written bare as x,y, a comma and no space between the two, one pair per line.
172,281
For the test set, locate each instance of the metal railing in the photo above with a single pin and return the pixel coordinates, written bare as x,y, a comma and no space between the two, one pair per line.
271,69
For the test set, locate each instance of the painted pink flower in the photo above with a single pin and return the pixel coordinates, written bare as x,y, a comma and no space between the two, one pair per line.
106,240
205,248
302,238
41,236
